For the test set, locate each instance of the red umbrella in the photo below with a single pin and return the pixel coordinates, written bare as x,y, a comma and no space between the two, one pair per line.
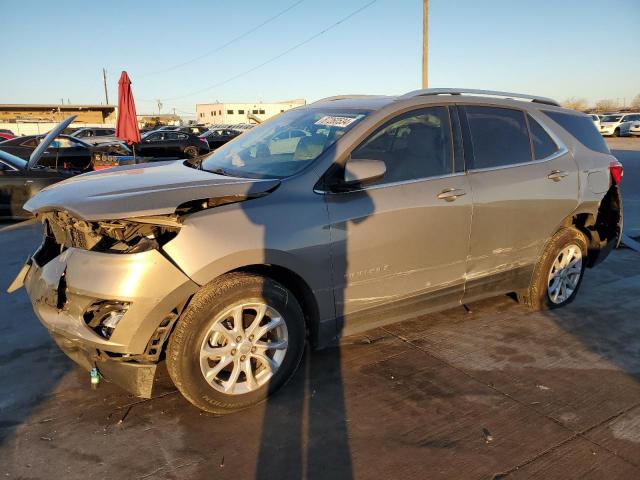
127,126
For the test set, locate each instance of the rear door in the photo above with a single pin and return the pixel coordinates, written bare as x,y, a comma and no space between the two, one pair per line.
400,244
524,184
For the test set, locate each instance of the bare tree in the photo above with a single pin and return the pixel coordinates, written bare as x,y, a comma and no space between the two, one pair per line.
574,103
635,103
606,105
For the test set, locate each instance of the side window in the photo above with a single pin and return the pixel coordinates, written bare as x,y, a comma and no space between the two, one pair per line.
182,136
499,136
543,144
171,136
582,128
32,143
414,145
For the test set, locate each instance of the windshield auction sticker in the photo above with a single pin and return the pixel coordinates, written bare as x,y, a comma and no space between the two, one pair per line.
331,121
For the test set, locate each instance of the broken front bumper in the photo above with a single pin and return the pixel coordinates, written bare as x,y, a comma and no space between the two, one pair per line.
67,286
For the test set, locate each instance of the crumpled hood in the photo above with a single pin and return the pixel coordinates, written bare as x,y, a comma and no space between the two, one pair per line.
140,190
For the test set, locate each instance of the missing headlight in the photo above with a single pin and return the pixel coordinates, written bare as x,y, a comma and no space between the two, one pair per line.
115,236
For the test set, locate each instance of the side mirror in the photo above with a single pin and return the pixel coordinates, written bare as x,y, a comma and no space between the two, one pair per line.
362,172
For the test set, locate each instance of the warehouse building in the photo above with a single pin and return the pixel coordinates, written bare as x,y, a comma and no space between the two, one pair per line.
92,114
230,113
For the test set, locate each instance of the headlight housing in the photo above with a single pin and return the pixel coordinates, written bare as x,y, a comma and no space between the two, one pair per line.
116,236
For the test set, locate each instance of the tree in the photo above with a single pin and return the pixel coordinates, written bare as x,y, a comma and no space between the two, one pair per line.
574,103
606,105
635,103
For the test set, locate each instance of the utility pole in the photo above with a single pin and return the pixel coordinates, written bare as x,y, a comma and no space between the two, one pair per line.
425,43
104,80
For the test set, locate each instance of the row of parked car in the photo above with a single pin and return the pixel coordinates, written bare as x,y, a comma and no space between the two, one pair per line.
81,150
618,124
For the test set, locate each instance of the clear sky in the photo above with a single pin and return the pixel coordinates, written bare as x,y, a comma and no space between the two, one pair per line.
557,48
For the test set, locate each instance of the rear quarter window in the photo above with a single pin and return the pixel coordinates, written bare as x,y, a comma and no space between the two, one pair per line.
582,128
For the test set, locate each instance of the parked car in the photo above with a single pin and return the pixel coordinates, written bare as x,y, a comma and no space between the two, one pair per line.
610,124
6,136
86,133
21,179
64,152
217,137
630,129
596,120
194,129
160,143
227,264
7,131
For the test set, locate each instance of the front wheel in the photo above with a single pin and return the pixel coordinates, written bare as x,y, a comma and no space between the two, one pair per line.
616,132
240,339
558,274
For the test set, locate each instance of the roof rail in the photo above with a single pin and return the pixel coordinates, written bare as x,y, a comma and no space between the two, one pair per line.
471,91
341,97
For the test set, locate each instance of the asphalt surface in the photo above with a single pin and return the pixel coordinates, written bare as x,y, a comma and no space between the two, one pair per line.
495,391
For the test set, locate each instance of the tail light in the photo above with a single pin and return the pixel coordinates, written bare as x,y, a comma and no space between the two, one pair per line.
202,140
615,167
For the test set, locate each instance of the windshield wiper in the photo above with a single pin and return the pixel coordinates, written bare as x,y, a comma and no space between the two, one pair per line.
219,171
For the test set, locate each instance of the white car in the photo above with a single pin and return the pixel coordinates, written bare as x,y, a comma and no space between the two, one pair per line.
610,124
596,120
630,129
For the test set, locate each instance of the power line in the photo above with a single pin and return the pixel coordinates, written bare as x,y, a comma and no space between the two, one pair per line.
280,55
224,45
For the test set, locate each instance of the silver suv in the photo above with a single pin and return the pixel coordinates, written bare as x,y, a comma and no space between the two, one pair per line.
377,209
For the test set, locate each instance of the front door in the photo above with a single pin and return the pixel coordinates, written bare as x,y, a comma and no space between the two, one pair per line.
399,246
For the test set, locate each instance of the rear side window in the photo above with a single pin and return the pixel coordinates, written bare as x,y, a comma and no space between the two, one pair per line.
499,136
582,128
543,144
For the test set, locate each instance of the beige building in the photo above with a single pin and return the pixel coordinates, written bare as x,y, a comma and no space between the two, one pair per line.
232,113
94,114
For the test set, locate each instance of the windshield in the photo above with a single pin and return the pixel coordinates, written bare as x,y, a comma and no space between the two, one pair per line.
612,118
284,145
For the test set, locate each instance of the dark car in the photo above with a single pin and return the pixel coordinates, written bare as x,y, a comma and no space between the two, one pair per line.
93,132
64,152
171,144
18,183
6,136
195,129
219,136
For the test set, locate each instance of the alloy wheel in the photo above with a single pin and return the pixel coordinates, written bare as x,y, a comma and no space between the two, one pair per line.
243,348
565,274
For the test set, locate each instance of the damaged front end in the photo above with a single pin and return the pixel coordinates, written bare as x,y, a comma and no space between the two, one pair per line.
112,236
107,293
102,281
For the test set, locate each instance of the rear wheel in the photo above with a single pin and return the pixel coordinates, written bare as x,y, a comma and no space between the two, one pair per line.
191,152
558,274
240,339
616,132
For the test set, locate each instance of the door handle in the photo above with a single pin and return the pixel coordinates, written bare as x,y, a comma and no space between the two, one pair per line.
450,194
557,175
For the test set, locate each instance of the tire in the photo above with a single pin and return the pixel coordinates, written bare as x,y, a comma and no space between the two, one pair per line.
616,132
222,299
541,295
191,152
